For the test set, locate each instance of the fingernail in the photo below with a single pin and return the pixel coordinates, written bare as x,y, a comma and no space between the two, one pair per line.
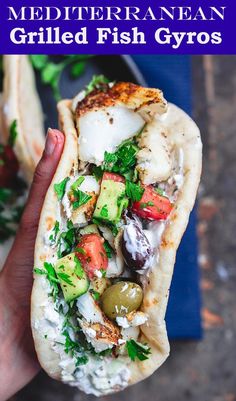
51,142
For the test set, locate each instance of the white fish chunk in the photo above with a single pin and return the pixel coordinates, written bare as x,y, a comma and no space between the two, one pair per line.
105,119
154,159
97,328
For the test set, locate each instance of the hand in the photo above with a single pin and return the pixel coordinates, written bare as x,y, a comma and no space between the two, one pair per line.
18,361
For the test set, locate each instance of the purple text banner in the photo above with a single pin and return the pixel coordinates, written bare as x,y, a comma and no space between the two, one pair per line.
118,26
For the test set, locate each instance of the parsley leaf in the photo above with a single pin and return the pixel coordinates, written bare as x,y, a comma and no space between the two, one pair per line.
60,188
13,133
55,232
145,204
104,272
104,211
78,197
123,160
79,272
81,250
110,159
77,183
95,295
81,199
65,277
98,82
75,348
67,240
97,172
137,350
50,273
134,191
108,250
81,360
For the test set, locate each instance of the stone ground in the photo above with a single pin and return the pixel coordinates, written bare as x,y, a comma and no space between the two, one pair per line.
197,371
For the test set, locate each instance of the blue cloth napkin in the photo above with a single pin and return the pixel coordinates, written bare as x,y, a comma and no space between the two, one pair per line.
172,74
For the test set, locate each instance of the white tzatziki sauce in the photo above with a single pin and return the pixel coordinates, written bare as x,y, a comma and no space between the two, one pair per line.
100,375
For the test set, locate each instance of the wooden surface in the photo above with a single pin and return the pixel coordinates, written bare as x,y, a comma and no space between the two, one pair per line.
203,371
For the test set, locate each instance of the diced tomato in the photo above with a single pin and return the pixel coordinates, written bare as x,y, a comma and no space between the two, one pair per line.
113,176
9,166
91,253
152,206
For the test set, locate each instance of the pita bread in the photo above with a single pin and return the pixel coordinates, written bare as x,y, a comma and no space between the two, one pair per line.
20,101
184,134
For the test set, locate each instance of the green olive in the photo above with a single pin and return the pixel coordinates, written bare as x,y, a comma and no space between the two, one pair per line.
121,298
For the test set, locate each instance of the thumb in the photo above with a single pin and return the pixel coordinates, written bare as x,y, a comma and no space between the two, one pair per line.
21,257
42,178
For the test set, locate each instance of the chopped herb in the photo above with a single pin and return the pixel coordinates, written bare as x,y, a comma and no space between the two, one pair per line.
55,232
108,250
69,224
50,273
97,172
134,191
104,273
60,188
65,277
110,225
96,221
73,347
145,204
135,175
122,203
78,268
81,360
81,198
81,250
123,160
67,240
114,229
137,350
110,159
39,271
106,352
77,183
98,82
95,295
104,211
45,336
13,133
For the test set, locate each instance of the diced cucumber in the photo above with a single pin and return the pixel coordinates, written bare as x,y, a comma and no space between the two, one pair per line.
72,277
111,201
